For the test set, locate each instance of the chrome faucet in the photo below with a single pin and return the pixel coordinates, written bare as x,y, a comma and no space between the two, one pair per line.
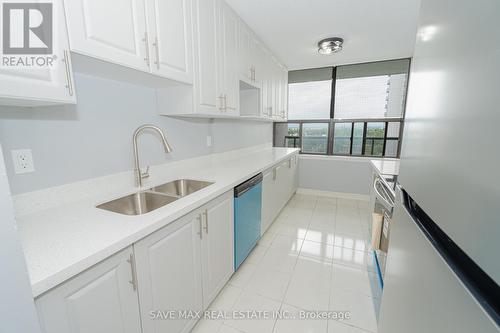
139,175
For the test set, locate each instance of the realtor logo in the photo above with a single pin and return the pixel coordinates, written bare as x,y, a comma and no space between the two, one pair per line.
27,28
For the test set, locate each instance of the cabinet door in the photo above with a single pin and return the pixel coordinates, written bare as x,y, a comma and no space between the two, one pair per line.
109,30
169,274
284,92
295,174
217,246
246,45
99,300
229,65
31,87
208,88
268,189
276,82
270,86
289,179
282,181
261,75
170,37
281,82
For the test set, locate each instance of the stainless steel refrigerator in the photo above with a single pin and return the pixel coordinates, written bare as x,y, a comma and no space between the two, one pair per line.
443,265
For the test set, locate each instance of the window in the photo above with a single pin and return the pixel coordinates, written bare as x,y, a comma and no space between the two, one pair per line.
292,138
342,138
315,138
309,94
353,110
374,90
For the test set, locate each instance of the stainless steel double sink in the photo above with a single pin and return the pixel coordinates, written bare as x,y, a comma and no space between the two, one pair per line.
146,201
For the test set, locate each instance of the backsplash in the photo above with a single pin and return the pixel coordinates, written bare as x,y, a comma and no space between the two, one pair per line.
94,137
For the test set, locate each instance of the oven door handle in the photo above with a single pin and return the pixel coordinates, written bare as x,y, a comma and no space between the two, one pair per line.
386,199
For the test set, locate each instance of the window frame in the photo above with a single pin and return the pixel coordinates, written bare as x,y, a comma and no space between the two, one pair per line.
331,135
331,124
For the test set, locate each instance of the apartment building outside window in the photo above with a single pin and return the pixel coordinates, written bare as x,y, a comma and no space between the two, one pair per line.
351,110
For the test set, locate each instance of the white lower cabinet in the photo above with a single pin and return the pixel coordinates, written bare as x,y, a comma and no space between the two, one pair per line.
217,246
181,267
169,274
184,265
268,189
278,185
99,300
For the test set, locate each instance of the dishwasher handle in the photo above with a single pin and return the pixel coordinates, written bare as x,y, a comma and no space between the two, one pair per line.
247,185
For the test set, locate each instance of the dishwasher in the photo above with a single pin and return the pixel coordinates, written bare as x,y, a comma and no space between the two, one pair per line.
247,217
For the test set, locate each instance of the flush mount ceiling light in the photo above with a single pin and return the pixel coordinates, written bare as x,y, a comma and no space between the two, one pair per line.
330,45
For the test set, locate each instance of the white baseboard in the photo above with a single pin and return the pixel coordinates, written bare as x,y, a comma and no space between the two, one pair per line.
330,194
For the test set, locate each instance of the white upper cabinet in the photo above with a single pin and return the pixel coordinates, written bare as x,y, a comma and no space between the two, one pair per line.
109,30
268,86
216,89
207,86
44,86
229,59
170,38
153,36
99,300
282,92
247,56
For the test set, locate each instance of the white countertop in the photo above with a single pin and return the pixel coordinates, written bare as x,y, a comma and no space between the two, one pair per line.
386,166
62,241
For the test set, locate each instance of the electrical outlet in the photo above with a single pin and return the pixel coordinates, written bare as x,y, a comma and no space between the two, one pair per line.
23,161
209,141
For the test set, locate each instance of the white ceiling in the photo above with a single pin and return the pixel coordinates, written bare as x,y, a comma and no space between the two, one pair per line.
372,29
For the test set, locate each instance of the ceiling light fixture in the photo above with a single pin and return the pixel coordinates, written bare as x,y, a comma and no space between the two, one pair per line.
330,45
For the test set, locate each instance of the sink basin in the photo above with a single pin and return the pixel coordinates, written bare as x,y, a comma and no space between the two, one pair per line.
181,187
138,203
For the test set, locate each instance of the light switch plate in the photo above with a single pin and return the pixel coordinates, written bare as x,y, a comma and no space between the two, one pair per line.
209,141
23,161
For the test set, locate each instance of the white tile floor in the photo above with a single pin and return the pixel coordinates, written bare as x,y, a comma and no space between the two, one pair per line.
314,257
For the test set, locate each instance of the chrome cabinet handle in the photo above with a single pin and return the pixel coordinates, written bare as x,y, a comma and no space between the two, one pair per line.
221,100
157,49
274,174
146,41
225,102
69,84
131,261
289,163
205,214
200,232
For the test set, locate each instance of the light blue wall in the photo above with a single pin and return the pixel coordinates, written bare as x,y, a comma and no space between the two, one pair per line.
335,174
17,308
94,137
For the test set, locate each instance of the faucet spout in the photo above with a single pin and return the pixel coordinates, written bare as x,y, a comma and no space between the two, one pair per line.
139,175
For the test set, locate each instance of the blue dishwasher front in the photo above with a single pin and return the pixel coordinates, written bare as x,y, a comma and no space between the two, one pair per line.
247,216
